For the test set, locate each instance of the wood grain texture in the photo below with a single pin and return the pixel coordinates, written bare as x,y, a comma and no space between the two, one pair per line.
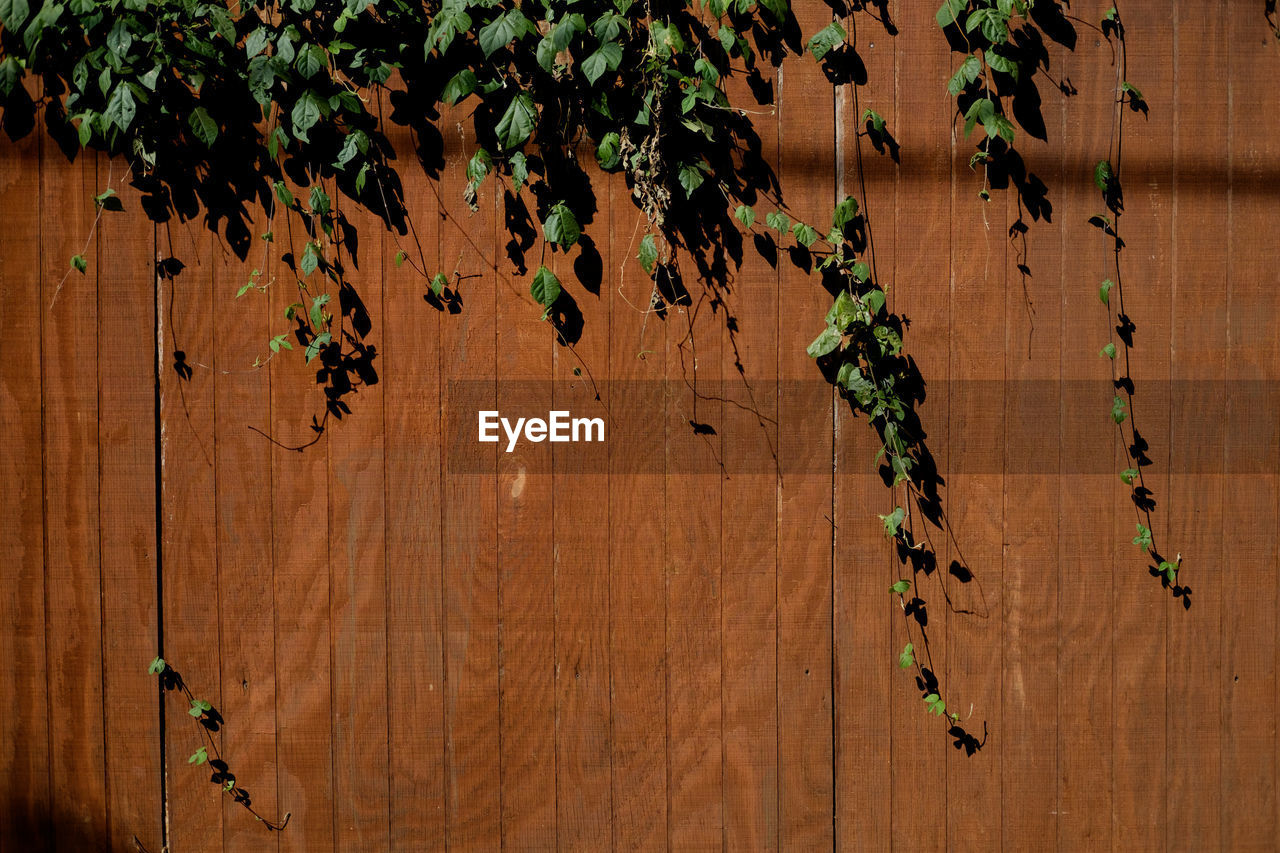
25,806
77,777
300,559
127,305
865,612
193,601
1085,555
639,697
806,792
921,293
414,446
468,242
1249,629
582,529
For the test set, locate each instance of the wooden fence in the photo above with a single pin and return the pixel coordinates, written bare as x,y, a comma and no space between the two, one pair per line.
682,637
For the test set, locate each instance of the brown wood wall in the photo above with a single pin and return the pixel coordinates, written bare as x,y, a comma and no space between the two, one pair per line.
417,641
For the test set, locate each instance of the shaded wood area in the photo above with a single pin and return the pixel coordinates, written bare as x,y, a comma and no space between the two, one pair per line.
683,637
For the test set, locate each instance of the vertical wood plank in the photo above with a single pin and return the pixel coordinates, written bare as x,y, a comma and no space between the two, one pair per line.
1085,712
921,293
127,500
864,569
526,549
25,816
1032,438
468,341
192,591
357,541
246,568
638,547
1198,373
77,776
300,557
582,535
415,447
1249,506
1141,606
694,328
806,123
749,564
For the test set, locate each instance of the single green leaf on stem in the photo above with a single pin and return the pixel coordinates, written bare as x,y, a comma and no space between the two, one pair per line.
317,345
893,521
284,194
1143,539
400,256
1117,410
691,177
648,254
826,40
968,72
1128,475
438,283
777,220
1108,351
200,756
79,264
607,58
901,588
545,288
874,118
157,666
845,212
561,226
907,658
805,235
203,126
1104,291
459,86
519,170
949,12
607,152
518,122
746,215
825,343
1102,175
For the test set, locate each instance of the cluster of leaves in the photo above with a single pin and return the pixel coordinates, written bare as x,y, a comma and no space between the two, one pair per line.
209,721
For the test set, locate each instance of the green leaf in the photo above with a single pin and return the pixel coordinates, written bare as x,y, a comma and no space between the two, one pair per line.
1102,175
321,341
746,215
949,12
316,314
438,283
1117,410
901,588
607,151
121,108
876,120
691,177
311,59
805,234
1169,570
519,170
1135,95
305,114
319,200
1109,351
200,756
893,521
777,220
1128,475
502,30
157,666
545,288
561,226
400,256
826,40
119,40
1143,539
968,71
283,194
79,264
459,86
517,123
648,254
203,126
999,62
844,213
1104,291
310,259
825,343
13,14
843,312
607,58
907,658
